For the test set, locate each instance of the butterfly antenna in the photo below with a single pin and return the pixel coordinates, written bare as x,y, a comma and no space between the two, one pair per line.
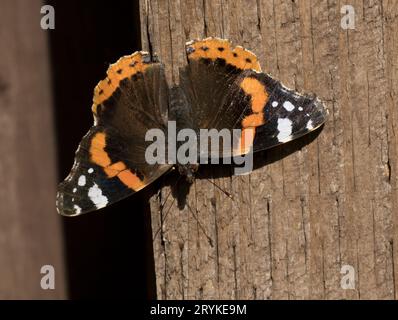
199,224
162,205
163,219
221,189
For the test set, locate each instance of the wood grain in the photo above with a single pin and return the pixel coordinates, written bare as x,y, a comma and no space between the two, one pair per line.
317,204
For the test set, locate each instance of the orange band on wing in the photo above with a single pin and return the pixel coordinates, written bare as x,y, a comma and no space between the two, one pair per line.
118,169
258,101
114,169
253,120
97,150
214,48
131,180
256,90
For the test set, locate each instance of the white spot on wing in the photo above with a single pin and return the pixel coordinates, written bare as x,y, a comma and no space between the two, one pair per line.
288,106
77,209
309,125
96,196
74,190
82,181
91,170
275,104
285,129
300,108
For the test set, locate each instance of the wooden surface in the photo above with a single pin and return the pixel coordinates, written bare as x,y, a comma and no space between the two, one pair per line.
314,205
30,230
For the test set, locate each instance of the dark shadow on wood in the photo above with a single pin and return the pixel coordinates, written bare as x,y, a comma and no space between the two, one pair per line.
109,253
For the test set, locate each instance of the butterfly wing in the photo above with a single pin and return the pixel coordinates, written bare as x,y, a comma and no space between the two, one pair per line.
271,113
227,90
287,114
210,77
110,161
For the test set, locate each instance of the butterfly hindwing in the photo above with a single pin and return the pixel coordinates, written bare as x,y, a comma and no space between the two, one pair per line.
209,78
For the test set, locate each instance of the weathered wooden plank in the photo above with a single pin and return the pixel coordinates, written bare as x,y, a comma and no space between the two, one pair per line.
317,204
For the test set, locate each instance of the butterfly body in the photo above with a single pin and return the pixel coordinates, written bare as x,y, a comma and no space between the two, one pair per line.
220,92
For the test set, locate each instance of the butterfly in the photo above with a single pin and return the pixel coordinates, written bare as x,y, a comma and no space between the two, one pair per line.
221,87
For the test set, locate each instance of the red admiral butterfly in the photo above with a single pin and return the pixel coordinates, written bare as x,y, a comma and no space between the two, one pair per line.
221,87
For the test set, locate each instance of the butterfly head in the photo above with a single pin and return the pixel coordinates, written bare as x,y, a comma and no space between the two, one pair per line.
188,170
